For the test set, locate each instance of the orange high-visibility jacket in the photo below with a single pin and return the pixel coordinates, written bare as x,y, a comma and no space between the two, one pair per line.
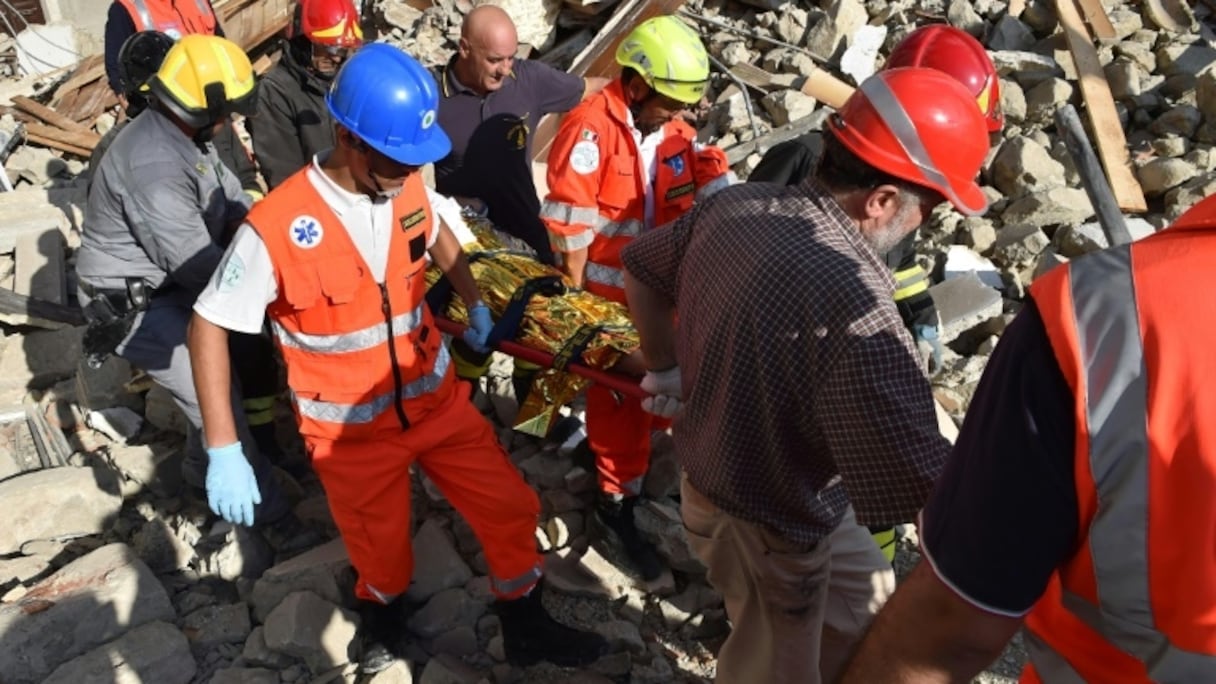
362,358
1132,330
597,186
176,18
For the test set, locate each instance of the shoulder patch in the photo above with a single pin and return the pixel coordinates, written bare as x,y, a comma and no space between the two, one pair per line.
585,157
306,232
233,271
412,219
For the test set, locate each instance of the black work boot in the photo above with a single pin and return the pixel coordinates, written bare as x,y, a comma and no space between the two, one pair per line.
614,514
379,635
530,635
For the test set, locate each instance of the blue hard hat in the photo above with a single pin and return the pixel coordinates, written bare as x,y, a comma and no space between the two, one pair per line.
387,99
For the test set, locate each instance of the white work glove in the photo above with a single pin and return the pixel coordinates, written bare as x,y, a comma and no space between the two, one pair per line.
480,325
667,397
232,488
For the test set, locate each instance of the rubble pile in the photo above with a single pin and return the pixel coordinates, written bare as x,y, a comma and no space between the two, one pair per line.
112,570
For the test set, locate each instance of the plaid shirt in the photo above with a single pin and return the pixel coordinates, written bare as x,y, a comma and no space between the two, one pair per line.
804,391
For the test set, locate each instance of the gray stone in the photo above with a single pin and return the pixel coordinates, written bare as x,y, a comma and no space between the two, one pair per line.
311,628
1205,94
1019,245
446,611
545,470
621,634
1027,68
57,503
244,675
964,303
152,652
238,552
39,360
662,525
159,546
459,642
211,626
1048,260
657,672
960,13
437,565
161,411
1057,206
785,106
1183,58
977,233
397,673
1124,77
445,669
1160,175
588,574
89,602
1010,34
1076,240
258,654
1044,99
961,260
103,387
1124,21
315,570
1022,166
156,465
1013,101
1182,120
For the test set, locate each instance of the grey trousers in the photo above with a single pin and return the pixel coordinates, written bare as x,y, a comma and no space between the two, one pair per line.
157,345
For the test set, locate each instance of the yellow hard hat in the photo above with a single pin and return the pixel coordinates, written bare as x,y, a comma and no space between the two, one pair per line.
204,79
670,57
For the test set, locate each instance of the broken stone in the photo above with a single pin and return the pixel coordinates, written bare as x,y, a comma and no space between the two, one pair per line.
1180,58
1009,33
1043,99
311,628
1057,206
1124,77
38,360
964,303
237,552
1181,120
960,261
244,675
1019,245
446,669
87,603
258,654
315,570
159,547
1023,166
446,611
57,503
152,652
621,634
437,564
1027,68
1160,175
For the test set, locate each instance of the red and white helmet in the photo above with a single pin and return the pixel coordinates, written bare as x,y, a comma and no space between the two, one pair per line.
959,54
328,22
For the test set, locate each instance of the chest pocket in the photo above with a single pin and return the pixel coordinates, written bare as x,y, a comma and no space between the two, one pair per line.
619,188
675,182
336,279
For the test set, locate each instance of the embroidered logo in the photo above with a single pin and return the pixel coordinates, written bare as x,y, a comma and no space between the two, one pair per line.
410,220
306,232
676,164
518,133
680,191
585,157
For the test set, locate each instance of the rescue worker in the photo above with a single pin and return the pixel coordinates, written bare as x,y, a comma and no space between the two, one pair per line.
158,209
336,256
1091,435
292,122
956,53
801,409
623,163
490,104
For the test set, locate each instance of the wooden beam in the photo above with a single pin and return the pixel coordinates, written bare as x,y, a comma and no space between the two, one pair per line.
1100,107
86,140
739,152
48,115
13,303
1098,21
56,144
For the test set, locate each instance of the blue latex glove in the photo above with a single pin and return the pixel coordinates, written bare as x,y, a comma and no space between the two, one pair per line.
930,345
480,325
232,488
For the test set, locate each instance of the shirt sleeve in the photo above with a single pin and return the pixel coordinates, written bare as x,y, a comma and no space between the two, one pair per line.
1004,515
119,27
276,141
242,287
654,258
788,163
557,91
577,167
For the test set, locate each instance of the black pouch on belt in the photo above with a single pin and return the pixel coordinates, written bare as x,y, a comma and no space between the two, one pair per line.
110,317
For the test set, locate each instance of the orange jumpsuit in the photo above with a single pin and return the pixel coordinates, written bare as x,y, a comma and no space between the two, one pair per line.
374,393
597,199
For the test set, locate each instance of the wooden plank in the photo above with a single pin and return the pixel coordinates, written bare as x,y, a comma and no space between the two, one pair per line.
87,140
1100,107
13,303
48,115
59,145
1098,21
599,58
40,268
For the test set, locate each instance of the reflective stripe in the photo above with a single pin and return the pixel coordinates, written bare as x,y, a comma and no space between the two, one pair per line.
330,412
145,16
910,281
204,8
1116,390
1051,666
381,596
627,228
568,213
516,585
724,181
897,121
360,340
569,243
605,275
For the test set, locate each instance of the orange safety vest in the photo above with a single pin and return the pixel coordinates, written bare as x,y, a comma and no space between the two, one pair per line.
176,18
363,358
1132,330
597,187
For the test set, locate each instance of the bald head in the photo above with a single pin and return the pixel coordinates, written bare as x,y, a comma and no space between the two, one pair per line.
488,43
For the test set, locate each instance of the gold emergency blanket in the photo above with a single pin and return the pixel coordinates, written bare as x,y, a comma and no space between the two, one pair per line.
554,325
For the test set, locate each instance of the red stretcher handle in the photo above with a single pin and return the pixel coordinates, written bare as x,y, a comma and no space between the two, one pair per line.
614,381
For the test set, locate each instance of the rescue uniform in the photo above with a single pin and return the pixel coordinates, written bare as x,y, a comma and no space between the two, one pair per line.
342,280
292,122
175,18
607,185
157,210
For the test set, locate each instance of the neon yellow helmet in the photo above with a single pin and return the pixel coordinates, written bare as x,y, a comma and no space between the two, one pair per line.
205,78
670,57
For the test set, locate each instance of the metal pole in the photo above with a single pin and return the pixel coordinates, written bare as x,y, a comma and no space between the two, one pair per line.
758,36
747,98
1093,178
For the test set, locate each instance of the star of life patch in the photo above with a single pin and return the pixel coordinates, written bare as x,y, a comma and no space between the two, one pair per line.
306,232
585,157
233,271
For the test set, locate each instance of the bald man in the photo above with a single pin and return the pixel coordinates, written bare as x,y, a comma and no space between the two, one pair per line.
490,106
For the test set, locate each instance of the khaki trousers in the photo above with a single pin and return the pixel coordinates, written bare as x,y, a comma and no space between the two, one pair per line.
796,613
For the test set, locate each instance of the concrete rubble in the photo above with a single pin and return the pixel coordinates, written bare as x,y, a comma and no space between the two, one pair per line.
112,571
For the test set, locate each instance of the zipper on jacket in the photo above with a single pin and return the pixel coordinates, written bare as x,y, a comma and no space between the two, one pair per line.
392,354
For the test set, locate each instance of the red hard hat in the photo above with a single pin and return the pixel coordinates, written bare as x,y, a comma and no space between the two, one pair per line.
956,52
329,22
919,125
